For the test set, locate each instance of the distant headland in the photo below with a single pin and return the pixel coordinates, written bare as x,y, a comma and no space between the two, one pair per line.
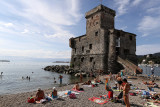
4,60
61,62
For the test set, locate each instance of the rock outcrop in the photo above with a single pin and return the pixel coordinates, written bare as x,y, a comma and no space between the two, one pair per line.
65,69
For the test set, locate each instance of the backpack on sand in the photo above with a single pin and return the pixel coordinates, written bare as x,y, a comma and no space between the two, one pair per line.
72,96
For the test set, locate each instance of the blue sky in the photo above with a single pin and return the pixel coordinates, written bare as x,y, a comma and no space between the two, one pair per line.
41,28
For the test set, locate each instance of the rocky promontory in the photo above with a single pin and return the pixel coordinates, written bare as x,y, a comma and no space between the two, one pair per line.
65,69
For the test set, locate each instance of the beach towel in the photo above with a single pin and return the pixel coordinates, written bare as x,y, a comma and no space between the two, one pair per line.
151,104
132,94
87,85
151,92
77,90
98,100
63,93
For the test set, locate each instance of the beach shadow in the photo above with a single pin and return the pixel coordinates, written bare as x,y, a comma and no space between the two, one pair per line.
60,99
135,105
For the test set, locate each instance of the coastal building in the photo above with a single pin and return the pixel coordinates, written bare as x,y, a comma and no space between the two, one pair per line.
102,45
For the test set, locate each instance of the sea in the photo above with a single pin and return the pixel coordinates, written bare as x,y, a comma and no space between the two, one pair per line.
11,81
147,70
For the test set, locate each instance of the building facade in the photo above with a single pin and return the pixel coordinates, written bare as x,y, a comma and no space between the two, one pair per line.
99,47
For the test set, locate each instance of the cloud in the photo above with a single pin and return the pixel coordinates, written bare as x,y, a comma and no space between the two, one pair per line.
124,27
150,4
8,24
122,6
49,17
63,35
25,31
149,25
136,2
148,49
153,10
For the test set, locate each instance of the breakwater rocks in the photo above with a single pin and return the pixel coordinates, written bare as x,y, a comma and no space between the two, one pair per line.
64,69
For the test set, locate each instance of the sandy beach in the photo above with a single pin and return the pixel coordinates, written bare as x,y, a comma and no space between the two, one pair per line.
20,99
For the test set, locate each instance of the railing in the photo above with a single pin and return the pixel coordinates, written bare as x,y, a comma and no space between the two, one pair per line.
129,65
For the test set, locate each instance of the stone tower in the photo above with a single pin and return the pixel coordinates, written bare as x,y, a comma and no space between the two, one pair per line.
97,50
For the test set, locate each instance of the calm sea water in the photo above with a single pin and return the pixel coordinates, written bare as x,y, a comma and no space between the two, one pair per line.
11,81
147,70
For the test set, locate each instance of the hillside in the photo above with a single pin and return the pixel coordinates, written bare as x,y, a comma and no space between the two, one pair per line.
154,57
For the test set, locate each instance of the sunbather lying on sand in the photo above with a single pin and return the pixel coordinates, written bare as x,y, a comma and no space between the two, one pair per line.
151,84
154,101
87,83
76,87
156,96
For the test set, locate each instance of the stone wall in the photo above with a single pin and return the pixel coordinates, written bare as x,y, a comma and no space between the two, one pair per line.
98,48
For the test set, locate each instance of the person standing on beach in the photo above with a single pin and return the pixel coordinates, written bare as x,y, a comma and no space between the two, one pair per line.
119,81
60,78
126,90
81,77
152,70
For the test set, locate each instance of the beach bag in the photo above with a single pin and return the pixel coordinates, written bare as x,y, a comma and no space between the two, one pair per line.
145,93
93,85
110,94
31,100
132,94
69,92
72,96
81,89
114,87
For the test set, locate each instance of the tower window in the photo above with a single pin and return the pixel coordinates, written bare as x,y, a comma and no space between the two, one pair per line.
82,48
96,23
90,46
75,50
91,59
82,59
130,37
96,33
74,59
92,17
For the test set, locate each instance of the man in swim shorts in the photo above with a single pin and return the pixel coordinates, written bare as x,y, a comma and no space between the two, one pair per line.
126,90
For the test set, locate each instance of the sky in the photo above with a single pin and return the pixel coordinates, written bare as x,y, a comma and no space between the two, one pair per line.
42,28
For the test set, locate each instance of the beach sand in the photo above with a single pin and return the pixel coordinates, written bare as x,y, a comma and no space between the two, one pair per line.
20,99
